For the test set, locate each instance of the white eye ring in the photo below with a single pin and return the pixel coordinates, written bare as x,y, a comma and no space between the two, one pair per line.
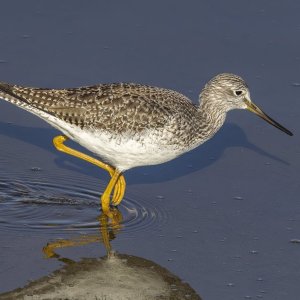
238,92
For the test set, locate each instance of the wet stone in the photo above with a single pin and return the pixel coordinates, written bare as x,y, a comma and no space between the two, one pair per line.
238,198
295,241
296,84
35,169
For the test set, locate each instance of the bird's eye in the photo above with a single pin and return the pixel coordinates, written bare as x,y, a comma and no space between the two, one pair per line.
238,93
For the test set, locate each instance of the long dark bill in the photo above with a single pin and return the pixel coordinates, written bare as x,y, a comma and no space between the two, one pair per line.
253,108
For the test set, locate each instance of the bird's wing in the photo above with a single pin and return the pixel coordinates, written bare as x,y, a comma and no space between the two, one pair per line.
110,107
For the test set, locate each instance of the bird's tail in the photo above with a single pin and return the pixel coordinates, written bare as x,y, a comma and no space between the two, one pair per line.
7,93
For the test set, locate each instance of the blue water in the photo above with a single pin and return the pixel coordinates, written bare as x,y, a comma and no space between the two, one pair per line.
222,217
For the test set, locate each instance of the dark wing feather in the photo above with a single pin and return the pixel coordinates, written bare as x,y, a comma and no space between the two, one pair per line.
110,107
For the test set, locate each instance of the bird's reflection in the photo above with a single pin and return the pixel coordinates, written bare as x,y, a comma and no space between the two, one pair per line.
113,277
108,230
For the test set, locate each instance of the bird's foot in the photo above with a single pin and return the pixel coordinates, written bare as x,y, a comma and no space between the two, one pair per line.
114,215
119,191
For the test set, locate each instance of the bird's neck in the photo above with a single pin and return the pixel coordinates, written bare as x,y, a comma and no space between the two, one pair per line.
211,117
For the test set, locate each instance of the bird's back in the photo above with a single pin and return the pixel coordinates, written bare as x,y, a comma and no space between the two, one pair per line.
114,108
128,125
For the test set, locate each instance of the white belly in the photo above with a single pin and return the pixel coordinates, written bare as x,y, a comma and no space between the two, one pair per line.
125,151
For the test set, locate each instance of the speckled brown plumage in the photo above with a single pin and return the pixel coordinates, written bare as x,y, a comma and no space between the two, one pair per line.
115,108
130,125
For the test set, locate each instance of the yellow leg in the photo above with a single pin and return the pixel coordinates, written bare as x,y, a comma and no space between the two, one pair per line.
119,190
107,234
49,249
120,185
105,198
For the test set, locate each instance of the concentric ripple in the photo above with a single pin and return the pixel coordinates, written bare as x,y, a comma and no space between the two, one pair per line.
37,206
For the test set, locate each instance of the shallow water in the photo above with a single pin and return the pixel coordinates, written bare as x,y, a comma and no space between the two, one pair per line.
223,218
38,206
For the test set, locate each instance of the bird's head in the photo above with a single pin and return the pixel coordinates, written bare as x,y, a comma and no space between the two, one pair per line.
230,91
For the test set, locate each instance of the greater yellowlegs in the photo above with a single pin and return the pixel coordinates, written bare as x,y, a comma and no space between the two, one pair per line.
130,125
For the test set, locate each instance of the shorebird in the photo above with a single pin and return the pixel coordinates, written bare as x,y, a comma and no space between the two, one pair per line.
130,125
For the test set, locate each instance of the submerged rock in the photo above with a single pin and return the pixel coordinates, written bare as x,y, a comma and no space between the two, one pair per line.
118,277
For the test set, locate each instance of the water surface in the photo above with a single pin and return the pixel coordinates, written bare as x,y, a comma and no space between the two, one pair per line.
223,218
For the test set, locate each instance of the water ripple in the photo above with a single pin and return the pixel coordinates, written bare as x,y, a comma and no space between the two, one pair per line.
27,206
